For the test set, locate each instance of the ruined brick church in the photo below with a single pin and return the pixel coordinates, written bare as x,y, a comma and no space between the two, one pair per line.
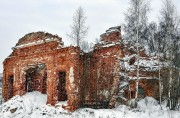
40,62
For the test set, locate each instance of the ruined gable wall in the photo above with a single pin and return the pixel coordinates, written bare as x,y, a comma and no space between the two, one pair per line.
55,59
19,60
38,37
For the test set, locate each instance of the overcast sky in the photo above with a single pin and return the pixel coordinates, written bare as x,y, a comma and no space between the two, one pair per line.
19,17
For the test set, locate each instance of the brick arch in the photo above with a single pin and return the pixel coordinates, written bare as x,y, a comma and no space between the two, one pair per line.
36,36
39,78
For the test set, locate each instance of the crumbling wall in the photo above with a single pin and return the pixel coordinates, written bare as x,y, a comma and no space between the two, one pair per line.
83,79
23,64
7,73
102,74
103,80
85,59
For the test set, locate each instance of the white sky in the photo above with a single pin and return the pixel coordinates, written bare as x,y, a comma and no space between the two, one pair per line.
19,17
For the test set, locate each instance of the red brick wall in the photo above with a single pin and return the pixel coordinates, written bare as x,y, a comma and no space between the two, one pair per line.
55,59
91,78
104,68
103,80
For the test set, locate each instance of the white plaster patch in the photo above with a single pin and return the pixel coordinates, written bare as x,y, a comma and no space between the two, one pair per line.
14,71
73,53
71,75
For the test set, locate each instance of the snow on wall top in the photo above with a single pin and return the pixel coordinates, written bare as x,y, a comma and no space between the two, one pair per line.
149,64
111,37
113,34
104,44
111,30
35,38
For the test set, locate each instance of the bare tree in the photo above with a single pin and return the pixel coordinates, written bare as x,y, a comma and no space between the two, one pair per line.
85,46
137,10
137,13
78,29
169,43
97,40
136,23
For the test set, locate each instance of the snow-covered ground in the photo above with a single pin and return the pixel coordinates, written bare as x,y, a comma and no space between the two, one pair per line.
33,105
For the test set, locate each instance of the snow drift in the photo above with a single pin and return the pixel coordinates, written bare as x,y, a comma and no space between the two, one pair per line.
33,105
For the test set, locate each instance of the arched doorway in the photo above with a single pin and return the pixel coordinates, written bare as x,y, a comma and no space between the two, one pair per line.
36,77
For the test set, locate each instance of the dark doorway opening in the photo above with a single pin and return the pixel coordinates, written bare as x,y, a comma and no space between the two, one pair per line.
10,86
44,85
140,92
61,87
132,94
30,73
36,77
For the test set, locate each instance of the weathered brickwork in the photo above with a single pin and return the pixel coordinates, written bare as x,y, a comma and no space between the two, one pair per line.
40,62
23,64
104,70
